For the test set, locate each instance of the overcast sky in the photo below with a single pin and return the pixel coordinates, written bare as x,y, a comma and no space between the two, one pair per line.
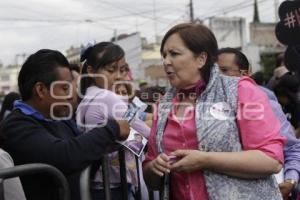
29,25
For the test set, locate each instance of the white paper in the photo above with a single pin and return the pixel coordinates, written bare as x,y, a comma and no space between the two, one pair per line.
142,106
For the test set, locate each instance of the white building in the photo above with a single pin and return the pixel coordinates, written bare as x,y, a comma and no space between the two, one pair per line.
73,54
262,41
229,31
9,79
132,45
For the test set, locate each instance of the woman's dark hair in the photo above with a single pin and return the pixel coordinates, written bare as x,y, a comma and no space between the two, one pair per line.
151,95
40,67
8,103
98,56
198,39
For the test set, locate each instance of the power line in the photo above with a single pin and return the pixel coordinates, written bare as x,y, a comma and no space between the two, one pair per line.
81,20
130,11
233,8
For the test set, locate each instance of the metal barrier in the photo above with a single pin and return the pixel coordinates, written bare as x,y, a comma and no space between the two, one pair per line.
123,175
29,169
105,175
138,192
85,192
85,178
84,183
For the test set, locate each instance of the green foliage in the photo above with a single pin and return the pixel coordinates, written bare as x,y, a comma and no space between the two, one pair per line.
268,62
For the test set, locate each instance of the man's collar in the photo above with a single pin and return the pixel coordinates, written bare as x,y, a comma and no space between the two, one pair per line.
29,110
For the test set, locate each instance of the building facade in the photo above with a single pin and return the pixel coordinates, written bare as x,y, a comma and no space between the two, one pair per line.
9,79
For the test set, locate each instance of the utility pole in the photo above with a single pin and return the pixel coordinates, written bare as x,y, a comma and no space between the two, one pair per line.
155,21
191,11
17,59
115,35
256,13
276,5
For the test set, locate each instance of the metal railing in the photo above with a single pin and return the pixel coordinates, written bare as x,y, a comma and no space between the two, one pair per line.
85,178
29,169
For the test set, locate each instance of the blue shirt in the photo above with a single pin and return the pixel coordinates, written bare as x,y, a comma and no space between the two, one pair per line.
292,147
28,110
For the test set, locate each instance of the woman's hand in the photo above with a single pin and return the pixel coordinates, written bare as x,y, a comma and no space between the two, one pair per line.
251,164
160,165
189,160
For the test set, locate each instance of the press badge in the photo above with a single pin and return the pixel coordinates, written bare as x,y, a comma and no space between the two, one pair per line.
220,110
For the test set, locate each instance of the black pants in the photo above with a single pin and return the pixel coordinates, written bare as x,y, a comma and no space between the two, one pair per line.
115,193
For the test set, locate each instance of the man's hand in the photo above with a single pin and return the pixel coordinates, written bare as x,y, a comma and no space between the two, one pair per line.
286,188
124,129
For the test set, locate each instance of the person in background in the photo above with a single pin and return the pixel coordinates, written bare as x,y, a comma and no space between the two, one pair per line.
75,70
13,189
36,131
292,59
259,78
123,89
150,96
287,93
233,59
8,104
278,71
199,144
143,84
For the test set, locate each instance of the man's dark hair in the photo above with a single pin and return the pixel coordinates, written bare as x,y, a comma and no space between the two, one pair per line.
75,67
40,67
259,78
240,58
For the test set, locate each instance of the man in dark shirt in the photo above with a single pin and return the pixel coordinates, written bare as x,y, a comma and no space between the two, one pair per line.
37,130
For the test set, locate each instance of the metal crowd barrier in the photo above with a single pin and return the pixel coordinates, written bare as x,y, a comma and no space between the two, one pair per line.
29,169
138,192
85,179
84,183
123,176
